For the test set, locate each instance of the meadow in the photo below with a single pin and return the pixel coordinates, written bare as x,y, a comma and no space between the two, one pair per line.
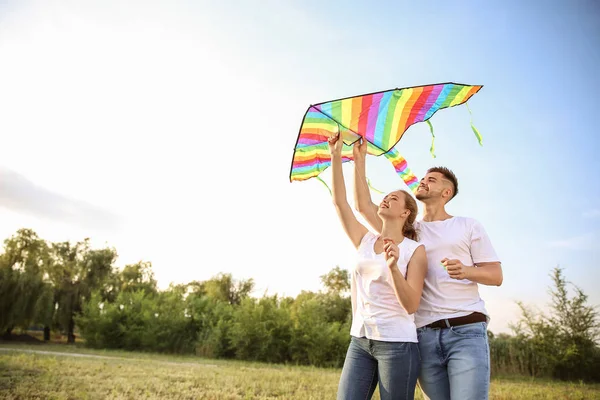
73,372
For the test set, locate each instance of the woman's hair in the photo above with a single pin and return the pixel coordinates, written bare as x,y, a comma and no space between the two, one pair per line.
408,230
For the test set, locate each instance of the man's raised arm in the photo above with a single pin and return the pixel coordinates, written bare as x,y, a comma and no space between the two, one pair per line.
362,196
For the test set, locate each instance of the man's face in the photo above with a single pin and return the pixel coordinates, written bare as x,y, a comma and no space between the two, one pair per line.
434,186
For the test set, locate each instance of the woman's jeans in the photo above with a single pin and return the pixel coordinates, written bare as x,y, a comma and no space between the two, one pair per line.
455,362
394,365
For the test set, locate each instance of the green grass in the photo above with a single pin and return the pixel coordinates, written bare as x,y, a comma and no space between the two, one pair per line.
128,375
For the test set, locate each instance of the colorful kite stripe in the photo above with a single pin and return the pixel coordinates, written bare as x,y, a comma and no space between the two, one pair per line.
316,159
310,161
381,118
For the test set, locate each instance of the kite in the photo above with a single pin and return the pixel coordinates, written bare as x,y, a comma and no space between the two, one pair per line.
380,118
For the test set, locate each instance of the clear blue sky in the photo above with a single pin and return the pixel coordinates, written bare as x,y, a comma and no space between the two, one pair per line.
168,119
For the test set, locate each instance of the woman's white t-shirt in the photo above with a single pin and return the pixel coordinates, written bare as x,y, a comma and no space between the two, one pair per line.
376,311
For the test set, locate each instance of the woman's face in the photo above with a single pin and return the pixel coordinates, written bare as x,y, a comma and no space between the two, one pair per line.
393,205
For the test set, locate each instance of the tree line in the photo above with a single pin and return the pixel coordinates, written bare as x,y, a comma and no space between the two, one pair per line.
73,288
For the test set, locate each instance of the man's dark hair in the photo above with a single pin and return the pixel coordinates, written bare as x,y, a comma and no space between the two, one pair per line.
449,175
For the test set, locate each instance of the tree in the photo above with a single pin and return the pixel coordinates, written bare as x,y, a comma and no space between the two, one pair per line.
223,288
22,284
336,281
136,277
577,326
575,319
562,344
76,271
45,309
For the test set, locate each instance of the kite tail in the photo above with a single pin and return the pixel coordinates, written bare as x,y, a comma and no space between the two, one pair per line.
326,185
401,167
432,148
372,188
328,188
475,130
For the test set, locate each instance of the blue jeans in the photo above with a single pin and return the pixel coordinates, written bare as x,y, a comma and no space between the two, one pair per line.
455,362
394,365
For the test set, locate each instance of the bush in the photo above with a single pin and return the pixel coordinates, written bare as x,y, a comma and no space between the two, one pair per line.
261,330
220,320
213,337
139,321
561,345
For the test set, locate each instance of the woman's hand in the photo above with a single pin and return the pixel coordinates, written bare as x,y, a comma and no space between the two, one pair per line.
391,251
335,145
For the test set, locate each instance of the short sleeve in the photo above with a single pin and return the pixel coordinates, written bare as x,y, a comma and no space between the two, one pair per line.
481,245
367,240
408,249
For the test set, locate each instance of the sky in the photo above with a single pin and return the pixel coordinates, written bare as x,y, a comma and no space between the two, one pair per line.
165,129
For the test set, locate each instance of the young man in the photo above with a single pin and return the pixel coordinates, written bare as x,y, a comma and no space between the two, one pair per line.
451,320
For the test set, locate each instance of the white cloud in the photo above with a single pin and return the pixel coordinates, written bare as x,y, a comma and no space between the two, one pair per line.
587,241
21,195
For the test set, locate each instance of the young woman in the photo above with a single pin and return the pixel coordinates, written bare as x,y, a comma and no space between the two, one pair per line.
386,290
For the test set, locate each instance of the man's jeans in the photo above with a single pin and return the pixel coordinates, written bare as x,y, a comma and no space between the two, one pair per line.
394,365
455,362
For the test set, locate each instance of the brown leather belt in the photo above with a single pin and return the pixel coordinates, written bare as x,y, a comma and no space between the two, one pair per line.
467,319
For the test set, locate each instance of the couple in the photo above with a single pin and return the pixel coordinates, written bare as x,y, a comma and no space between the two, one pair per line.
416,310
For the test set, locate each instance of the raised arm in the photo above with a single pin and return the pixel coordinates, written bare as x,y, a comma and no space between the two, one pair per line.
408,289
362,196
354,229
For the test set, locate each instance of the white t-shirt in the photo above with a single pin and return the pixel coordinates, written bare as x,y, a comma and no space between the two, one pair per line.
376,311
458,238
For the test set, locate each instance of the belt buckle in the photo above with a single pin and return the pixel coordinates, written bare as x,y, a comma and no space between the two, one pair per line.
447,323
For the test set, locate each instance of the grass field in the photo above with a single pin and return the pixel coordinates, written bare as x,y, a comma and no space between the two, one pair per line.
125,375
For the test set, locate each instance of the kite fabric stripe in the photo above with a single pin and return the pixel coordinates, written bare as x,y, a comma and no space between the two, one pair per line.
381,118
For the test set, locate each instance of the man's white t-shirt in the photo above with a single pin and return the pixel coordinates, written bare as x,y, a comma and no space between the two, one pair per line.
458,238
376,311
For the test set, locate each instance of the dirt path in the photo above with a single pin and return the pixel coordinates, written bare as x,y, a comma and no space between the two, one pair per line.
56,353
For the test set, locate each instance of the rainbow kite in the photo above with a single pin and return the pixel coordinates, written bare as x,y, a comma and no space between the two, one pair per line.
380,118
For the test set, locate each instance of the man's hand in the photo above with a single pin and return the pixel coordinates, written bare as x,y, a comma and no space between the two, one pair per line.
391,251
456,269
359,149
